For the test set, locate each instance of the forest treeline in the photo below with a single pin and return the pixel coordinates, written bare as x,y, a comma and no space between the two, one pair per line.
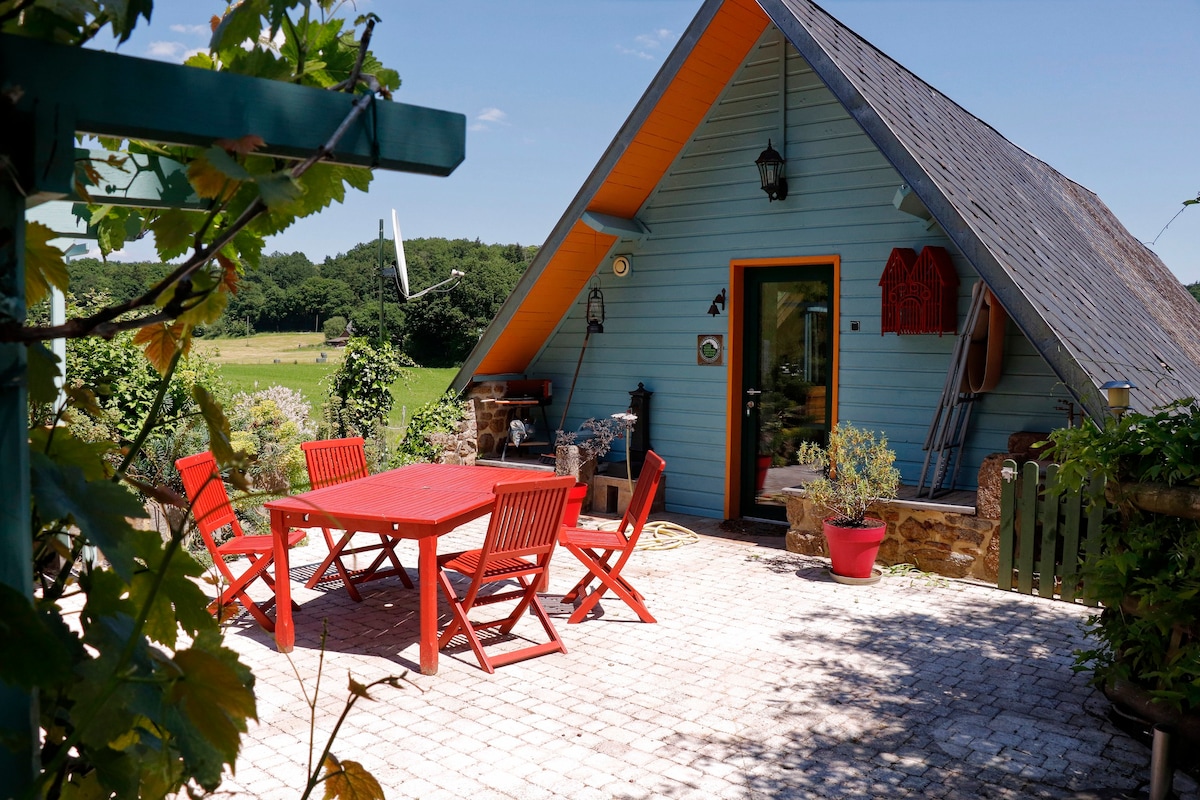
288,292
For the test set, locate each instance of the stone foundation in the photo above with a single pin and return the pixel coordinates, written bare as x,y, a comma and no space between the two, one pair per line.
491,420
942,540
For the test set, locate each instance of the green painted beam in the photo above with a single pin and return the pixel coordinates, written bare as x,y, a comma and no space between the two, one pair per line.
170,103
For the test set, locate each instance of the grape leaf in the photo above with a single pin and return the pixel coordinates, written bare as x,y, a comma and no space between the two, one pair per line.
48,648
173,230
43,369
279,189
99,508
44,264
209,706
160,342
348,780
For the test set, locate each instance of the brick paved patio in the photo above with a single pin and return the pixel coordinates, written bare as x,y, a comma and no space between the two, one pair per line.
762,679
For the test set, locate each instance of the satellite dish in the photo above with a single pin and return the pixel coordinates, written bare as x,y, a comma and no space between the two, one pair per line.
401,271
401,264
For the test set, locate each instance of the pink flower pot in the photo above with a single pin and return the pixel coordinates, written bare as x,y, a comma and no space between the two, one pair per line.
852,551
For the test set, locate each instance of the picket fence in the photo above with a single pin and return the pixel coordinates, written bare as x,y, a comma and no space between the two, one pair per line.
1047,533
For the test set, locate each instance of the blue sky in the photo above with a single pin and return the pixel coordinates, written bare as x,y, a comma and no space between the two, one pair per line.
1106,91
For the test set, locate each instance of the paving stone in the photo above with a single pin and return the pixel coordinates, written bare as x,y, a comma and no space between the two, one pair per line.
763,678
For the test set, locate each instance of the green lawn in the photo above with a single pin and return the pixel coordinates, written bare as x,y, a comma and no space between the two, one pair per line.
308,379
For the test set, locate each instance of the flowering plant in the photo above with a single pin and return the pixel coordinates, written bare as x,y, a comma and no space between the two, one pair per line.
603,432
858,470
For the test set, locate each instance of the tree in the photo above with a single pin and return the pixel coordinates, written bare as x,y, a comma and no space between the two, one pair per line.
141,698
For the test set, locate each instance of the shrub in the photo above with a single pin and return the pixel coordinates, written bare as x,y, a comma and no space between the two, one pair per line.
442,416
333,327
859,469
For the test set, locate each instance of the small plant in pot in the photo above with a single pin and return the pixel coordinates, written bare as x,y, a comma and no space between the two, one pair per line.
858,470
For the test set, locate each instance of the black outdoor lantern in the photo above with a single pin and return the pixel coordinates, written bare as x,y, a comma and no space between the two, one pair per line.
770,172
595,311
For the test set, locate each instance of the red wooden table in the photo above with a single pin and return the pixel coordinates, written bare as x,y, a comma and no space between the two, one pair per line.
420,501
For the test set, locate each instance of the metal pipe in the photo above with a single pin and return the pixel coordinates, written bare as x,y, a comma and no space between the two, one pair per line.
1161,774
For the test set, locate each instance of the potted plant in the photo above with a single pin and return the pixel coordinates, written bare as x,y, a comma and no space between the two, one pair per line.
858,470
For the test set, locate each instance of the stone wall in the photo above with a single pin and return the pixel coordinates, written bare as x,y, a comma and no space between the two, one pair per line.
491,420
462,446
938,540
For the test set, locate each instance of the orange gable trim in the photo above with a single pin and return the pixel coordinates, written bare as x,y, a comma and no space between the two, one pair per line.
705,72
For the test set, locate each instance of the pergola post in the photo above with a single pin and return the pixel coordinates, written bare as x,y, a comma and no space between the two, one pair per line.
17,709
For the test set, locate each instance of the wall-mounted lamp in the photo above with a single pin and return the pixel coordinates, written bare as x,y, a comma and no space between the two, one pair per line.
770,172
718,300
595,311
1118,395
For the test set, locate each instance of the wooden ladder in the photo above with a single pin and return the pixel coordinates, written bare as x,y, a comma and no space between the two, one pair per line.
952,418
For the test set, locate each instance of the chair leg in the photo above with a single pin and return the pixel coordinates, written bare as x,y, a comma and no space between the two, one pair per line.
609,578
389,544
334,558
236,591
580,589
461,624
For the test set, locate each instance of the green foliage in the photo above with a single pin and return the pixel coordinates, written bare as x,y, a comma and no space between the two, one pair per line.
1160,447
1147,575
333,327
138,697
442,416
859,469
362,386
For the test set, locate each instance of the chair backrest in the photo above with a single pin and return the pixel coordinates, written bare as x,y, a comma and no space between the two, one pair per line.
526,519
638,510
210,502
332,461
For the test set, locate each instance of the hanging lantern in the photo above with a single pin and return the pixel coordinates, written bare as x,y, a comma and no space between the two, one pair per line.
595,311
770,172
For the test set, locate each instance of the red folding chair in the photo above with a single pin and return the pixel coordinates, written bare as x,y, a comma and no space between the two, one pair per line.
212,511
333,461
596,549
521,535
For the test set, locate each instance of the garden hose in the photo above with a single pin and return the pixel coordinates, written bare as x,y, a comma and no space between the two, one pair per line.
658,535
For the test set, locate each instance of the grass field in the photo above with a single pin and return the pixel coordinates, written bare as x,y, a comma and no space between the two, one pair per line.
290,359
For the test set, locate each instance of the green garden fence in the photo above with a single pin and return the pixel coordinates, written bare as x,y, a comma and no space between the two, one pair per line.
1047,533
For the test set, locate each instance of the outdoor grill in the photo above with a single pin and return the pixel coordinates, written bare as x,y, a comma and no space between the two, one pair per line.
520,399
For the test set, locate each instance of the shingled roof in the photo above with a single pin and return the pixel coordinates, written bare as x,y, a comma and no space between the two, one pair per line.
1096,303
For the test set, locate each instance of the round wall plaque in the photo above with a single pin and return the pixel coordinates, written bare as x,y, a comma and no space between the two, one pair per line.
710,349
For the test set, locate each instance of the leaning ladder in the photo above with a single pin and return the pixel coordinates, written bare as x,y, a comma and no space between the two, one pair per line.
951,420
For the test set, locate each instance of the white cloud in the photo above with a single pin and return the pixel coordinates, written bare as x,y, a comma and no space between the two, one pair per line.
192,30
488,118
177,52
166,51
648,46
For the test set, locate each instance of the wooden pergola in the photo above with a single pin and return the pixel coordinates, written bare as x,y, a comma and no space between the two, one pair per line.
44,104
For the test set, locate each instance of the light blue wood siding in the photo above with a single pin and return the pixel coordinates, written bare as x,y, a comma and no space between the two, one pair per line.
708,211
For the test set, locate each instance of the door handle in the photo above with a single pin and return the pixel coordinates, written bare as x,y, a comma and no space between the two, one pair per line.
749,406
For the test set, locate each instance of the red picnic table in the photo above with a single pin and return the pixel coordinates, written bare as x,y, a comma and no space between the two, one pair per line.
419,501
